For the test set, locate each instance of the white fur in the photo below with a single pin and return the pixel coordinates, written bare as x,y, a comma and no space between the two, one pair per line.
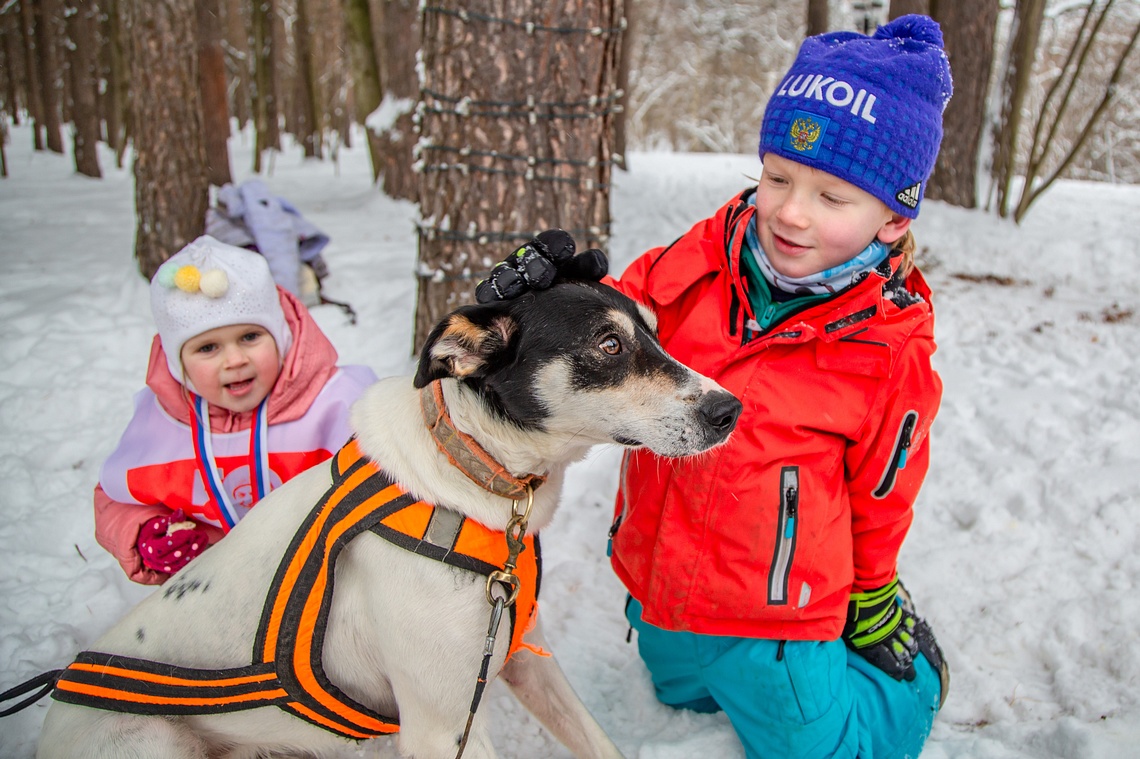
405,633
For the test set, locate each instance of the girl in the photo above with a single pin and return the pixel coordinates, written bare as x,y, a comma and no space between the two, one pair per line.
243,393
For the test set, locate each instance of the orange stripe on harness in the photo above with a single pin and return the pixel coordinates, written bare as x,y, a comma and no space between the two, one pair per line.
297,559
119,695
148,677
287,669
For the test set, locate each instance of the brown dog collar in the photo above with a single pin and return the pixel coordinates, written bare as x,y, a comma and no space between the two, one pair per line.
465,453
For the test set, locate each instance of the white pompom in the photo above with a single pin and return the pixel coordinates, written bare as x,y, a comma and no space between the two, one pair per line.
214,283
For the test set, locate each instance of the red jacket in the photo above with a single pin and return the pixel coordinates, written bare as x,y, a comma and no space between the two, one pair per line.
153,469
767,535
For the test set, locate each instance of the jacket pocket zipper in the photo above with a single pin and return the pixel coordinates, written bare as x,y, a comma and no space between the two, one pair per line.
898,458
624,493
787,526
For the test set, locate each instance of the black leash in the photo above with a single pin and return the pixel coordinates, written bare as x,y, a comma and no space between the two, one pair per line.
47,680
507,582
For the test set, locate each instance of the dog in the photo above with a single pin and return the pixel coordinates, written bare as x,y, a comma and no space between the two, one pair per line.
505,397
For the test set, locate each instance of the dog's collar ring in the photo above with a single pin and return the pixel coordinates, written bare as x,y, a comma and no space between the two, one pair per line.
505,578
507,583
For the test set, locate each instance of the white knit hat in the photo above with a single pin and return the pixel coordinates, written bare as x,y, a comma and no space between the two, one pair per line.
207,285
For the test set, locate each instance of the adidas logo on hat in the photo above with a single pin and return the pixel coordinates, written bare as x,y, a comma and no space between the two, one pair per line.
910,196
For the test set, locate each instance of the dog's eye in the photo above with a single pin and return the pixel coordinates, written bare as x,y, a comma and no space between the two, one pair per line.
611,345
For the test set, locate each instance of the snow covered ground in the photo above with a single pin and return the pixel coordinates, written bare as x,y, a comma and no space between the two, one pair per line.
1025,553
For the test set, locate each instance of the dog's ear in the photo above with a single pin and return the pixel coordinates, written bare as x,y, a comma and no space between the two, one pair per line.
465,343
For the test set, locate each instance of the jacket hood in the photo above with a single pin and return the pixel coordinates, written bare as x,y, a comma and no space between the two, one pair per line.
309,364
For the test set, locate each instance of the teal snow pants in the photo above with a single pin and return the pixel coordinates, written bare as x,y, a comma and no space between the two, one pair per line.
793,699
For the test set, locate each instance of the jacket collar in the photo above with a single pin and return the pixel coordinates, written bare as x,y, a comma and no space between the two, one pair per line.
851,310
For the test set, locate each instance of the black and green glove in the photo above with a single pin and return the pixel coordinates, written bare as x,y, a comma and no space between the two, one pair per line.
882,631
537,264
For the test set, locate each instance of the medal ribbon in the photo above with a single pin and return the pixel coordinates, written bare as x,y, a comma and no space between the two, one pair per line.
258,460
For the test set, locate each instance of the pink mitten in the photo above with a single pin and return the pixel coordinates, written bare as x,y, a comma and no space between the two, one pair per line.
167,543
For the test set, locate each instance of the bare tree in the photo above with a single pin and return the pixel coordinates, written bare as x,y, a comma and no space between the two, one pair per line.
969,28
32,71
265,81
517,113
114,75
83,57
1049,153
11,60
365,65
236,15
905,7
817,22
48,15
308,109
1039,175
395,132
212,81
1027,18
171,188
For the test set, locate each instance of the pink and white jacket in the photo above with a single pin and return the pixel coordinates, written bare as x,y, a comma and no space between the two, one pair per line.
154,469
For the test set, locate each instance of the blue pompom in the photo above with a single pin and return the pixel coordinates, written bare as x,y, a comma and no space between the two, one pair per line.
913,26
165,275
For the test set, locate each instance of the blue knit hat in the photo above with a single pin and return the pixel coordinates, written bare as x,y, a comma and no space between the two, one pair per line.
866,109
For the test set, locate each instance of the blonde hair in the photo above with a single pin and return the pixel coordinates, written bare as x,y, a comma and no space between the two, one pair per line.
905,246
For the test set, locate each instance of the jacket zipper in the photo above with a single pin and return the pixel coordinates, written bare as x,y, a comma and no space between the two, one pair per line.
898,458
785,536
623,492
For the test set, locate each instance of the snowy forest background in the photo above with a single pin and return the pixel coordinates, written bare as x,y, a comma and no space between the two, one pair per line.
678,51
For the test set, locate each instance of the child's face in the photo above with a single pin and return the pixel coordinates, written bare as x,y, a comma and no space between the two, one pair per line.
233,367
809,220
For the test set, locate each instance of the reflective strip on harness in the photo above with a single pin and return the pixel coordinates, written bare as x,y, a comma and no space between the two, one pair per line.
287,670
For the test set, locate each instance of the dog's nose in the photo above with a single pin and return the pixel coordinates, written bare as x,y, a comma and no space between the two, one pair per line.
721,410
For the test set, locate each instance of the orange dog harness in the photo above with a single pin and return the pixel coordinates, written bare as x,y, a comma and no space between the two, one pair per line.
287,671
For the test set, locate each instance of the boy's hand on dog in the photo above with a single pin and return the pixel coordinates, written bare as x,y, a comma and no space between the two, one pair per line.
882,631
168,543
537,264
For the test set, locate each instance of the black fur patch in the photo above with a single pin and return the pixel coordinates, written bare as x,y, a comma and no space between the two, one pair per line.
568,322
181,587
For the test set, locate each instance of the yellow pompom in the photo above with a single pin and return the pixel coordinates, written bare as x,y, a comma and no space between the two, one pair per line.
187,279
214,283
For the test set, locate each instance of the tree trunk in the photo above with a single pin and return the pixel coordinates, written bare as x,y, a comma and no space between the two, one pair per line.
518,106
400,82
366,91
817,21
904,7
265,81
621,136
49,13
171,188
238,60
1028,15
968,27
307,98
12,64
31,68
212,81
83,56
116,99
